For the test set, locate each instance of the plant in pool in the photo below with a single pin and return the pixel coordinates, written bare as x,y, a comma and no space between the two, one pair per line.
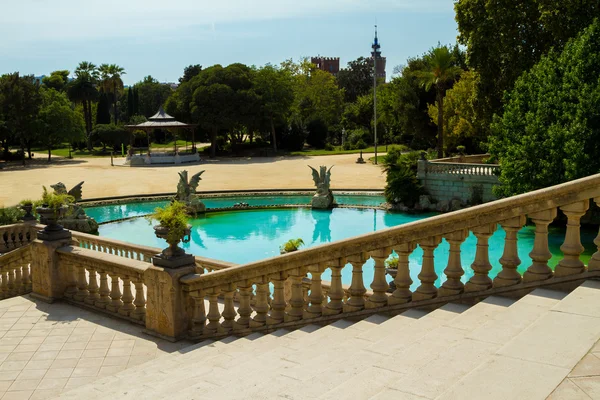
391,268
291,245
173,226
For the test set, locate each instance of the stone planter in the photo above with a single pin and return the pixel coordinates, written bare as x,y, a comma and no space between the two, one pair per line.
28,216
173,256
50,217
392,272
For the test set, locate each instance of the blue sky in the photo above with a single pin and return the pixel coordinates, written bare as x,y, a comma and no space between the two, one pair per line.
160,38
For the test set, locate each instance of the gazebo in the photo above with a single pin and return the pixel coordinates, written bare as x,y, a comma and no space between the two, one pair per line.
162,120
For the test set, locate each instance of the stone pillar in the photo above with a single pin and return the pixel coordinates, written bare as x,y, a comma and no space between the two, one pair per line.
49,280
481,266
402,294
166,314
571,263
539,269
379,285
510,257
454,271
427,289
356,301
594,263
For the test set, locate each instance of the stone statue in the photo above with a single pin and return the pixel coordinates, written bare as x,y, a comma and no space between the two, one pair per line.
323,199
186,192
75,218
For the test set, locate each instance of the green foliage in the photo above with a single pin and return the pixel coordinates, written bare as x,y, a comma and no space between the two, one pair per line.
392,262
476,195
549,131
356,79
174,218
291,245
111,135
151,96
317,133
402,186
11,215
54,201
506,39
57,80
294,137
189,72
26,202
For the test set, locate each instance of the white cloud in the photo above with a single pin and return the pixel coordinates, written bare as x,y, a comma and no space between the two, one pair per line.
33,20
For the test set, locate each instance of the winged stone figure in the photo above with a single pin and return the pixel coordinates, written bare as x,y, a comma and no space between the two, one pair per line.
186,190
322,179
76,191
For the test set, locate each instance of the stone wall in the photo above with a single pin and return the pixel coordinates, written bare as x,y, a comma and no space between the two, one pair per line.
447,181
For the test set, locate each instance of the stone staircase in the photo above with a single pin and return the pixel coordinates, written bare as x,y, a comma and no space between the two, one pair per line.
496,349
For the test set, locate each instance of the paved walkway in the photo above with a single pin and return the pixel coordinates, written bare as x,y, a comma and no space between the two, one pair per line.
583,383
46,349
102,180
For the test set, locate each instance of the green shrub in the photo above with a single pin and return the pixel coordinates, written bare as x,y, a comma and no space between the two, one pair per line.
392,262
10,215
360,145
402,185
291,245
329,147
294,137
317,133
53,200
174,218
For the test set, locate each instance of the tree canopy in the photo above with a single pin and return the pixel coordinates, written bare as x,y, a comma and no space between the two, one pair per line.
549,131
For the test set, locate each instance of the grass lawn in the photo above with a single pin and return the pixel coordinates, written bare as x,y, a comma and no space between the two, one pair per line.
337,150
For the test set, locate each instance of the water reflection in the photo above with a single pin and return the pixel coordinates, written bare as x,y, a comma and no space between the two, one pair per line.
322,231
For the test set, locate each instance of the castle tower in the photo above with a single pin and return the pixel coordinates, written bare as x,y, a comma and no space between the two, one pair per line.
380,61
328,64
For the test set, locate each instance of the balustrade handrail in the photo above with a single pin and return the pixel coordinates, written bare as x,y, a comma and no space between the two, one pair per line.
18,254
107,262
437,226
465,165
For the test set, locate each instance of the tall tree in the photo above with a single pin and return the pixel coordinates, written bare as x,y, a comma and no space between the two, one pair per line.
57,80
506,38
83,90
356,79
58,122
275,87
103,109
189,72
19,107
130,112
111,82
440,72
151,95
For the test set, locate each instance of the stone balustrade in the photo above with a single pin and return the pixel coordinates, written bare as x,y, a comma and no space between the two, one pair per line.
15,273
276,285
104,281
14,236
461,168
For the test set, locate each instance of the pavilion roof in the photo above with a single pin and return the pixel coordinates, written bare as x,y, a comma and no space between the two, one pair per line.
160,120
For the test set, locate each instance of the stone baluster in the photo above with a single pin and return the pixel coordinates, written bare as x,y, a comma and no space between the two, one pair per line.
402,293
427,289
296,309
82,285
315,307
71,289
481,266
199,313
115,294
277,314
229,313
379,285
594,263
336,291
93,287
27,277
104,299
539,269
454,271
11,282
4,288
244,309
19,289
140,301
261,305
357,290
510,257
127,298
214,316
572,248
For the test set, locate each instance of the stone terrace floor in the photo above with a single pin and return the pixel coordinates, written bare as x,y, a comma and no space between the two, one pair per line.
46,349
583,383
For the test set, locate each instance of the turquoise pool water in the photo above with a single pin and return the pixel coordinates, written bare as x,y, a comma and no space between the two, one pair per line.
119,211
250,235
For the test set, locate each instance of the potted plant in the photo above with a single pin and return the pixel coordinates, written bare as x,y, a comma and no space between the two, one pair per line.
391,268
291,245
173,227
51,208
27,206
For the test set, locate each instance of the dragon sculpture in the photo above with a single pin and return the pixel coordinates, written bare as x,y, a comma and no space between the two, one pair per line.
186,192
75,218
323,199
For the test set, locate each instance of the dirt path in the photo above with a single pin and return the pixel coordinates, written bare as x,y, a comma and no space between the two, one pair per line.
102,180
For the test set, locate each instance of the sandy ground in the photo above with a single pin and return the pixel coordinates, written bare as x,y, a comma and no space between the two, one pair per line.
103,180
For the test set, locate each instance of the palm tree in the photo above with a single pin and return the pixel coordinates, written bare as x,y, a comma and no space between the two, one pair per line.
111,82
83,90
441,72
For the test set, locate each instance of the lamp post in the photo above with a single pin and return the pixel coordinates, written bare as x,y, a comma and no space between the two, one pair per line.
343,136
376,53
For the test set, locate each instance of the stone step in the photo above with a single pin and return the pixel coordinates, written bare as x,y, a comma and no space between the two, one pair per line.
532,362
